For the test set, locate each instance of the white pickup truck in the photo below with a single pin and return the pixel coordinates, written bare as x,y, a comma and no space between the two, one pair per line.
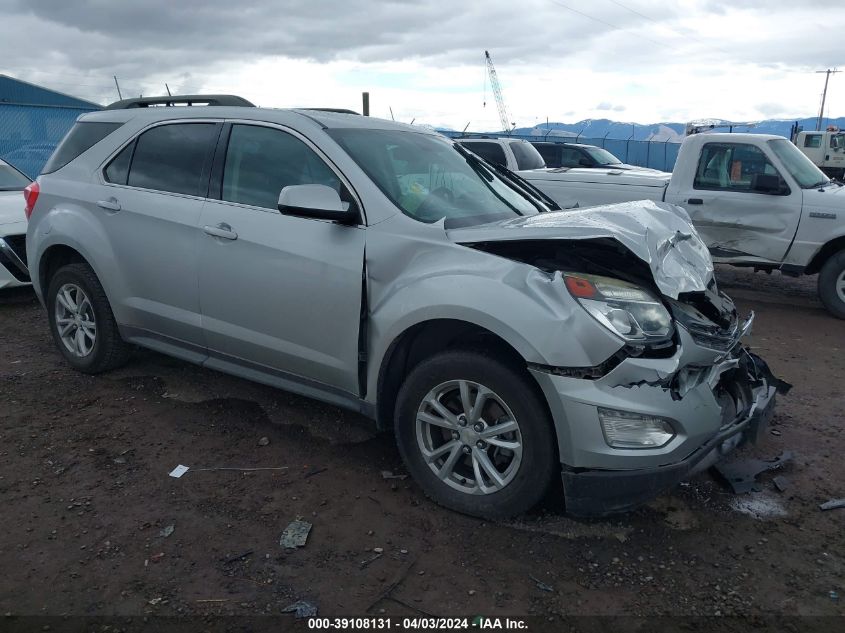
755,199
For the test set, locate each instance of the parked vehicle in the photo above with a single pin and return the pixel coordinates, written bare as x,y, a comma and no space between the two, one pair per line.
386,269
755,199
826,149
13,269
515,154
557,155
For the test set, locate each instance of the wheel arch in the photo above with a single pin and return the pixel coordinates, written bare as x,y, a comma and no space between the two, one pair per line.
825,253
52,259
425,339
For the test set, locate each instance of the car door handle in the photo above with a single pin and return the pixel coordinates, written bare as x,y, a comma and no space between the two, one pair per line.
695,201
109,205
221,230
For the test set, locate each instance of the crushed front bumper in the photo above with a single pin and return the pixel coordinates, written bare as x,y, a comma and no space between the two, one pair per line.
716,400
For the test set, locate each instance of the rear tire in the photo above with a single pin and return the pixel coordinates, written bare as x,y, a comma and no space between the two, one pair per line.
832,284
81,321
463,461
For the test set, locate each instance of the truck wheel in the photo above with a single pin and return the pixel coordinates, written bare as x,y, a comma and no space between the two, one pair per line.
475,435
81,321
832,284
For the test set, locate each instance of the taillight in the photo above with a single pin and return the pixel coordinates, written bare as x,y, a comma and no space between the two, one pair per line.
30,194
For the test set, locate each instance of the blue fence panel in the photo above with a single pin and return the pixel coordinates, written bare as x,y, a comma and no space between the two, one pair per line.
30,133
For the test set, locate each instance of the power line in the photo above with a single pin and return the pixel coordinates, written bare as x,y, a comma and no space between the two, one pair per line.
613,26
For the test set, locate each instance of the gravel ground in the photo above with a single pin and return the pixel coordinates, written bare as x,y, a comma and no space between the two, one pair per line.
91,524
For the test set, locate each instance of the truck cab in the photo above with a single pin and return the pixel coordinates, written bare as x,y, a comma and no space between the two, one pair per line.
825,148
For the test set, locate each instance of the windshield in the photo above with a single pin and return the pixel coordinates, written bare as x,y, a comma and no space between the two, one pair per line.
802,168
11,179
602,156
429,179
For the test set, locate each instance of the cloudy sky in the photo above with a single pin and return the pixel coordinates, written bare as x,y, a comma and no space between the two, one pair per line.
627,60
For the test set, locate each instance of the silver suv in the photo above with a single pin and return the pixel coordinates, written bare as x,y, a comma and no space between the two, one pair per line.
383,268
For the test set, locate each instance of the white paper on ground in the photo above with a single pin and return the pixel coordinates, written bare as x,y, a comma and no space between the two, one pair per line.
179,471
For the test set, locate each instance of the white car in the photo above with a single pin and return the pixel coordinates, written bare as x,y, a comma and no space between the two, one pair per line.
13,270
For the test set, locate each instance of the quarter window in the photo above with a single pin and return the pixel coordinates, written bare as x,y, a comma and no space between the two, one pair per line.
730,166
117,171
261,161
173,158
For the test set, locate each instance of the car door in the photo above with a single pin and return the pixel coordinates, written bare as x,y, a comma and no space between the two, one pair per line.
149,204
279,294
734,219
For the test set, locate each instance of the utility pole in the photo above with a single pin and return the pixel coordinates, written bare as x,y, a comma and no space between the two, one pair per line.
365,96
117,85
827,74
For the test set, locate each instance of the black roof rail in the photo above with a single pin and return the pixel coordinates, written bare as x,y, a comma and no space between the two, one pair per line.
335,110
182,100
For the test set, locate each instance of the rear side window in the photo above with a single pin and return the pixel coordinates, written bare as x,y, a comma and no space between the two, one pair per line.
82,136
174,158
491,152
261,161
526,156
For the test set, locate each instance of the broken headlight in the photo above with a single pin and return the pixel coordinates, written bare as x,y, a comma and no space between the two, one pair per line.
626,309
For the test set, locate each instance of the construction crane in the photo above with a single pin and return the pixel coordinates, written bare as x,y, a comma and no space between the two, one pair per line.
497,92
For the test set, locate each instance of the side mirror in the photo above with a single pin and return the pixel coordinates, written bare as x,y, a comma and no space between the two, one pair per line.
315,201
766,183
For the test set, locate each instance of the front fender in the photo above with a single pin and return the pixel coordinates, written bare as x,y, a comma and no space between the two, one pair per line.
527,308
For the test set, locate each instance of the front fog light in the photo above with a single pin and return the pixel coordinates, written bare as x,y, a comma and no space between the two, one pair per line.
624,429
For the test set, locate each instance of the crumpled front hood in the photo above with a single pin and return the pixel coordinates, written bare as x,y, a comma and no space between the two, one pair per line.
660,234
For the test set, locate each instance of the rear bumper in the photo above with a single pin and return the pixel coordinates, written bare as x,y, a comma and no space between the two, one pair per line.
595,493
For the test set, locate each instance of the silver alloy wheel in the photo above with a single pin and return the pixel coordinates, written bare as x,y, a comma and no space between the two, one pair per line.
469,437
840,286
75,322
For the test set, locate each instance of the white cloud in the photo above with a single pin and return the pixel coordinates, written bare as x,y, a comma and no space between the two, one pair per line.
694,59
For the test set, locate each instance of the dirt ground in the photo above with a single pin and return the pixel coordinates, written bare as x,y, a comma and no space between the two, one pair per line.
86,500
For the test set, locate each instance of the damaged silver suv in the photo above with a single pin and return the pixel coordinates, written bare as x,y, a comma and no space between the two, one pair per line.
383,268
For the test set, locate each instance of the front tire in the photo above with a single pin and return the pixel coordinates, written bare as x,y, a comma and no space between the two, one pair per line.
475,434
81,321
832,284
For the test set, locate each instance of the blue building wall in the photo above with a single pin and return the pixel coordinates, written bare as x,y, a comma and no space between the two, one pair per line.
32,122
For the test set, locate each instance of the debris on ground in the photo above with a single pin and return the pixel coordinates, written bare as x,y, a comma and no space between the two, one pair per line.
741,475
387,474
167,531
834,595
541,585
833,504
264,441
781,483
316,471
760,506
371,559
179,471
301,609
295,534
239,557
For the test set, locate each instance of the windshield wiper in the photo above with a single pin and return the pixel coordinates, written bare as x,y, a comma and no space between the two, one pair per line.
540,200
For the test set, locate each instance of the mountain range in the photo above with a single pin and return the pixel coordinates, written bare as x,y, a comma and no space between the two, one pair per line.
673,132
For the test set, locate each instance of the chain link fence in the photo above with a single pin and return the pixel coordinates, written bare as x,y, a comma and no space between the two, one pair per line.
653,154
30,133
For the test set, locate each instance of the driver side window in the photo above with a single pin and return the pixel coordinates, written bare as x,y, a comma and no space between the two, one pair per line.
731,166
261,161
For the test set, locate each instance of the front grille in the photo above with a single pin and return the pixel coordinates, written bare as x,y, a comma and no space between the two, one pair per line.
721,341
13,256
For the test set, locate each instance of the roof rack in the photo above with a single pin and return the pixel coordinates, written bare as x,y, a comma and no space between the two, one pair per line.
181,100
335,110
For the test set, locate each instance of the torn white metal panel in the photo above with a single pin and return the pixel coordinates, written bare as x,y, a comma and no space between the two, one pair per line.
659,234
